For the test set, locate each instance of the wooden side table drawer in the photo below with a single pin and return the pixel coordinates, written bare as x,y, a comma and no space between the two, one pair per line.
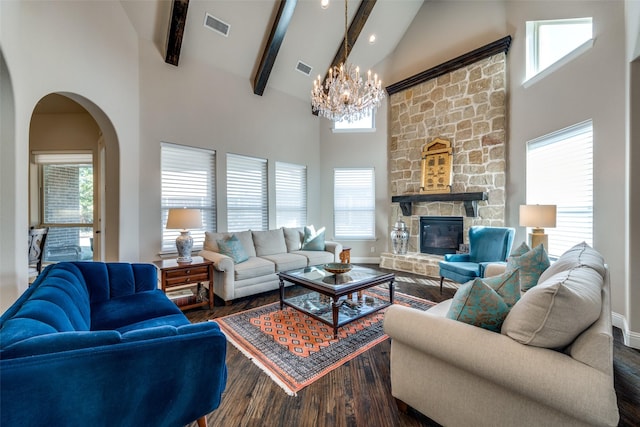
177,279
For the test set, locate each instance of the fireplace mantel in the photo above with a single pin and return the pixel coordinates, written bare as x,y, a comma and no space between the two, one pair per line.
470,200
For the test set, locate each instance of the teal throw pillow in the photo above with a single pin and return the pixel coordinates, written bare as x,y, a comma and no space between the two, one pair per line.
520,250
507,285
531,265
232,248
478,304
313,240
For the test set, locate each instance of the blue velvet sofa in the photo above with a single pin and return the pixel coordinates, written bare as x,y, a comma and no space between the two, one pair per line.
97,344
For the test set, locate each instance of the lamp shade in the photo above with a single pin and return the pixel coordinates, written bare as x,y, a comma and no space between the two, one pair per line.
184,219
538,216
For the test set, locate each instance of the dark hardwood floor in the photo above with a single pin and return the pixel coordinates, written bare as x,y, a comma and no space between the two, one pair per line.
359,392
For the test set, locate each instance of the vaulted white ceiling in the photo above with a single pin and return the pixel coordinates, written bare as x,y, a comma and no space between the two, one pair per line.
313,36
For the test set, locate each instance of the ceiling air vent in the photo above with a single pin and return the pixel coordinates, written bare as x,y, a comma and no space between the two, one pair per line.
304,68
213,23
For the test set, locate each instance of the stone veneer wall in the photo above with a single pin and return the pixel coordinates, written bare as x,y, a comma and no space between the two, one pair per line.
468,107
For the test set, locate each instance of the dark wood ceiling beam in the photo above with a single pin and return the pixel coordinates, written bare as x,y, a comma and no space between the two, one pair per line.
176,31
355,28
278,31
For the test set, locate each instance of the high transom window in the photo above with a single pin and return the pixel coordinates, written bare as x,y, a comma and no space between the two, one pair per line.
550,42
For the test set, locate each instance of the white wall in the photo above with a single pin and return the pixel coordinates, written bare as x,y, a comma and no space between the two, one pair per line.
589,87
83,48
197,105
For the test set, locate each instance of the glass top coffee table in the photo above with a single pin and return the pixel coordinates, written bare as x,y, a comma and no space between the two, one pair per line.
335,299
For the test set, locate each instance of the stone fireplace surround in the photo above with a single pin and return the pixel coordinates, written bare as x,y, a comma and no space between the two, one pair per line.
464,101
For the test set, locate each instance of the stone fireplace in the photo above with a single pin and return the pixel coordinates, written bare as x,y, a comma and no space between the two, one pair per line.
462,101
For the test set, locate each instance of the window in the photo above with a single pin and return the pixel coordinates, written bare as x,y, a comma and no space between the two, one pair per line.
247,196
365,124
188,181
66,205
560,172
354,203
550,41
291,195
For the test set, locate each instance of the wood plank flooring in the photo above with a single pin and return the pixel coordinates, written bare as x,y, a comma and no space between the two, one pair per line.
359,392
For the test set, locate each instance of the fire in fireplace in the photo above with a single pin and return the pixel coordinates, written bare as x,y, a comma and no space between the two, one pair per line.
440,235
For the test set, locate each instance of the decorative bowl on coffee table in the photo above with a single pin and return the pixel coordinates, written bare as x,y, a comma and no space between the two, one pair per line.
337,268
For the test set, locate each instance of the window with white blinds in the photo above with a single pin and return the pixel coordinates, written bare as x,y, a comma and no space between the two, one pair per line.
560,172
291,195
354,203
247,196
188,181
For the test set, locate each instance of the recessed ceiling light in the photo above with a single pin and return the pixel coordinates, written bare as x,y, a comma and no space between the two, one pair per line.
324,4
372,39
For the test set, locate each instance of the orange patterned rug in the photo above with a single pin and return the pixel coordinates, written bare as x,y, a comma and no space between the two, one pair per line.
295,350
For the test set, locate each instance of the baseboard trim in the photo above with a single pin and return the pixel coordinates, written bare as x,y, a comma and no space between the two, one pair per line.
365,260
630,338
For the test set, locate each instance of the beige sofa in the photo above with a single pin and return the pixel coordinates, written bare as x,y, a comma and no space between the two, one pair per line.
462,375
269,252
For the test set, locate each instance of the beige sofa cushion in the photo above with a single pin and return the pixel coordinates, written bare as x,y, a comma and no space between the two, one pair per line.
293,238
580,254
553,313
269,242
211,244
254,267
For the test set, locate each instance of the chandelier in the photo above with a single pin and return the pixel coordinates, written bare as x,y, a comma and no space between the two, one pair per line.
344,95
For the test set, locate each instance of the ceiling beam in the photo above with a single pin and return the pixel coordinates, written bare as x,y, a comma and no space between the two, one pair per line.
357,24
355,28
176,31
278,31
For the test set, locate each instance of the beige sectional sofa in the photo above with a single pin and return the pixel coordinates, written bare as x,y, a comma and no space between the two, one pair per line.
460,375
269,252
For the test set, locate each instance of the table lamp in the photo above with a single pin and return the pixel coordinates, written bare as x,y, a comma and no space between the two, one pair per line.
538,217
183,219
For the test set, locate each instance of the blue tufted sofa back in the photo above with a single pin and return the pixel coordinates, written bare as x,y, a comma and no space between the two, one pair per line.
60,306
60,299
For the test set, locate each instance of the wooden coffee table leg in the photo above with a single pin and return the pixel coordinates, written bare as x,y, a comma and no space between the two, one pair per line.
391,291
334,309
281,294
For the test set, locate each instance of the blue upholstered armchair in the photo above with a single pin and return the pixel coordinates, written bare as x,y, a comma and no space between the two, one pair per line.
486,245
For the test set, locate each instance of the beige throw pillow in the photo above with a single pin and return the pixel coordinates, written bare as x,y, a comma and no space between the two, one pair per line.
553,313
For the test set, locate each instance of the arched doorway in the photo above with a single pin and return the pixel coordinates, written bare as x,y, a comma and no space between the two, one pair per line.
73,179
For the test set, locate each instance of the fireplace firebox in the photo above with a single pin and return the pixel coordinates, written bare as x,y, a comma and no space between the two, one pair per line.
440,235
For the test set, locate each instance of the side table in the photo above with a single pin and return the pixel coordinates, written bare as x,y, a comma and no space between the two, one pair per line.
182,282
345,255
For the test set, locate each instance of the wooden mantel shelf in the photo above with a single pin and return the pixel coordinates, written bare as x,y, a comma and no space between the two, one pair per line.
470,200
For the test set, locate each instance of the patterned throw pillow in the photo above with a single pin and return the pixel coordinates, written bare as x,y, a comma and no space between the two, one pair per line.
520,250
507,285
232,248
476,303
313,240
531,266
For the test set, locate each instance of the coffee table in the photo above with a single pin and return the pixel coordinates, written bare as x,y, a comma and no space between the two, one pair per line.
335,299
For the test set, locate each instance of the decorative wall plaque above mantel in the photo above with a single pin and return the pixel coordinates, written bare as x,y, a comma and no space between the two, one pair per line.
436,167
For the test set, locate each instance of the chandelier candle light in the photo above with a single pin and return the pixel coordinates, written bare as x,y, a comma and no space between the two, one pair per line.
183,219
344,95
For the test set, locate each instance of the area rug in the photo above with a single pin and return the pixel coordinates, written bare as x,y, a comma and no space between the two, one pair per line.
295,349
